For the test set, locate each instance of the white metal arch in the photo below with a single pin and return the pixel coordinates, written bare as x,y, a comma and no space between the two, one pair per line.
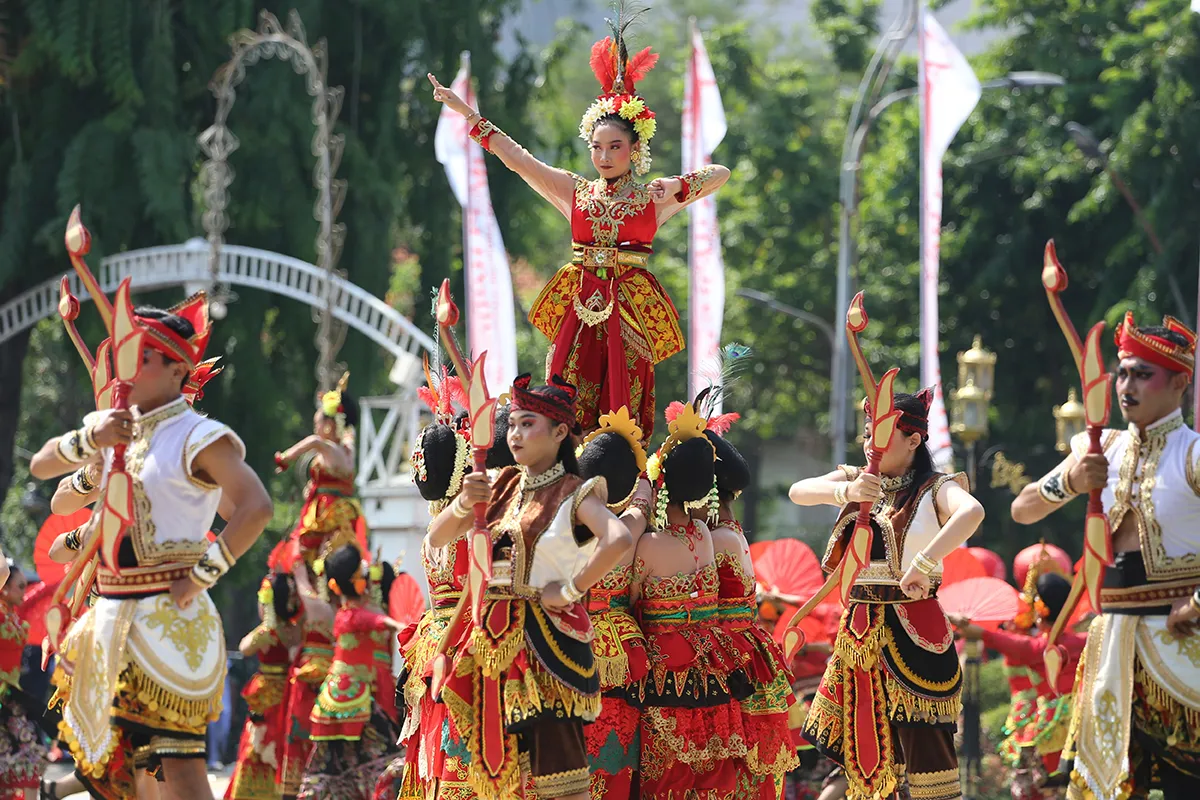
158,267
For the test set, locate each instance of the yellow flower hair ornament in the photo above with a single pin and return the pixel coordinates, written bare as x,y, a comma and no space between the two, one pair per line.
686,425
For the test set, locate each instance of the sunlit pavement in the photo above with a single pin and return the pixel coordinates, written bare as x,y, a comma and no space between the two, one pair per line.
217,780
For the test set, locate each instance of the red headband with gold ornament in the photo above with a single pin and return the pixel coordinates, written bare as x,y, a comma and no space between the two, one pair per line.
541,402
1134,343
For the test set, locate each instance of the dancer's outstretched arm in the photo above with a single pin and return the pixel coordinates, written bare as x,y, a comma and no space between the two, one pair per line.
557,186
1073,477
672,195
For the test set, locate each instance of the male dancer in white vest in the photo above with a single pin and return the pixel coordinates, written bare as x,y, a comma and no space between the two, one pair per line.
148,660
1136,721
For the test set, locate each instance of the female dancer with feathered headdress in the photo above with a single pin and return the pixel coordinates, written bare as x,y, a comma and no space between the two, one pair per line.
607,318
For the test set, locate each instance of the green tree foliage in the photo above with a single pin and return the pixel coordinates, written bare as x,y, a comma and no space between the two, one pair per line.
104,101
1013,180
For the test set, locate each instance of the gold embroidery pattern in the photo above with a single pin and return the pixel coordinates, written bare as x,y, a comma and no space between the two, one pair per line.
190,637
734,562
1159,566
1190,470
941,785
695,182
608,208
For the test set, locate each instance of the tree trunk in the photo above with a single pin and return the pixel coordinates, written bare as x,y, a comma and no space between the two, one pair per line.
12,355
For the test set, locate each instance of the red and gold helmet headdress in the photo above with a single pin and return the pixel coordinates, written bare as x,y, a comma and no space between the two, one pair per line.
617,74
190,351
1134,343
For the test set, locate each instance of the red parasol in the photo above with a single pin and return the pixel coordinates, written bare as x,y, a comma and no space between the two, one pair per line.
788,566
54,526
985,601
1034,553
992,562
406,602
38,599
758,549
959,566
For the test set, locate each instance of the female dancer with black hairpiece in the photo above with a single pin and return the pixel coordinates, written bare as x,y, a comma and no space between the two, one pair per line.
525,682
608,320
889,702
614,452
693,740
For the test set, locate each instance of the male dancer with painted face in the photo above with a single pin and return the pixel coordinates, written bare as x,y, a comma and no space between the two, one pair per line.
148,660
1136,722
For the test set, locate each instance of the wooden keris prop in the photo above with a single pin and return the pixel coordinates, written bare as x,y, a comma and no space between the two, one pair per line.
115,367
884,418
482,410
1097,404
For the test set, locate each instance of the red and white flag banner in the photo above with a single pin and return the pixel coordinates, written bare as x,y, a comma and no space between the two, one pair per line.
703,129
491,325
949,91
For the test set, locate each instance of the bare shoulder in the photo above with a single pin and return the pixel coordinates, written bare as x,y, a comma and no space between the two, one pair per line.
727,540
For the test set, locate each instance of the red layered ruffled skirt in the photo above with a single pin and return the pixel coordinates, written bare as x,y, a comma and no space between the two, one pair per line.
613,740
694,742
304,682
261,747
771,747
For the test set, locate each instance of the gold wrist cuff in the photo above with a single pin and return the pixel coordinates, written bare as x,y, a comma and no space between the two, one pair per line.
924,564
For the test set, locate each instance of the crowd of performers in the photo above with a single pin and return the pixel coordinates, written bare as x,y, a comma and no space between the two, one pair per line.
615,650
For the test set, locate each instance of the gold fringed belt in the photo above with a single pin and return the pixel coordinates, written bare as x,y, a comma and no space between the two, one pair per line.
607,262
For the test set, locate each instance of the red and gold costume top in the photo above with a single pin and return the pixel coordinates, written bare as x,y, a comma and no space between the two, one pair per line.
619,645
445,570
13,631
360,676
266,689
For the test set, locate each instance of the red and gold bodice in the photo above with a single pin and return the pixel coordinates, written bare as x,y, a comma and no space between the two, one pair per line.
446,571
607,286
613,214
360,673
322,480
13,630
265,689
611,593
678,601
316,653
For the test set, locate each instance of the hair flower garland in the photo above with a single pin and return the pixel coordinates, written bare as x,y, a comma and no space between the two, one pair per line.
617,73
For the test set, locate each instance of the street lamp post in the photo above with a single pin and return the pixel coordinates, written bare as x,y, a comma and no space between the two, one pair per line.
852,149
976,374
1069,421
